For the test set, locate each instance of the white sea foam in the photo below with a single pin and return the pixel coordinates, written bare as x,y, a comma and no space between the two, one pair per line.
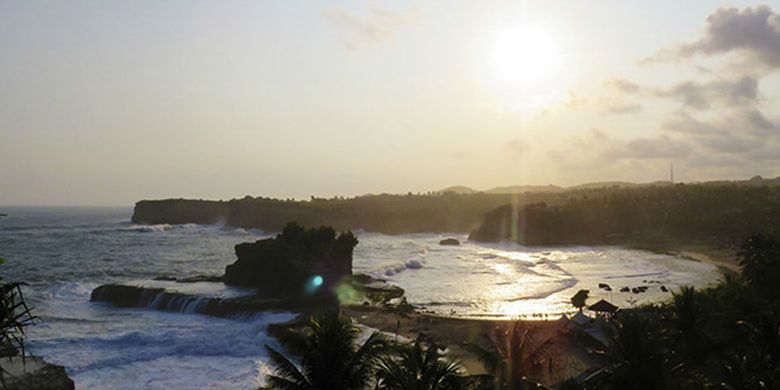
105,347
510,280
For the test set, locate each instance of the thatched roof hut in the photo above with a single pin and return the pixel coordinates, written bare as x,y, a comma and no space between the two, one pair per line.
603,307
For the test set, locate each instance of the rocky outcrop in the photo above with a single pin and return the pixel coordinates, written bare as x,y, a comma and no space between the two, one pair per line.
297,262
356,289
449,242
165,300
33,373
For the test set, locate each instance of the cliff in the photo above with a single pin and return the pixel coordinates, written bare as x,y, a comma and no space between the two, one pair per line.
179,211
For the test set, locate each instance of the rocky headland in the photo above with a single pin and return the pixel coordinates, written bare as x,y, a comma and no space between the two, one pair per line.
298,270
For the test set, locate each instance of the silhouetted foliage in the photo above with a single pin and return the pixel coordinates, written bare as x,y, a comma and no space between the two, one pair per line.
723,213
330,358
416,367
725,337
760,261
15,316
579,299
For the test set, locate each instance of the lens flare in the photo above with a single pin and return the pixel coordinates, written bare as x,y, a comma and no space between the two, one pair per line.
314,284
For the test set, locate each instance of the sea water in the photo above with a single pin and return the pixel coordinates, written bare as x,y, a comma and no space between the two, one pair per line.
63,253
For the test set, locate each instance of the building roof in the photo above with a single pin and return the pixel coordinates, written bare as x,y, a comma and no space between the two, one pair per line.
603,306
581,319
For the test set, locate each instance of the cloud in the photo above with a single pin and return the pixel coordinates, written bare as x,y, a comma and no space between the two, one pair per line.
693,95
755,32
623,86
721,126
702,96
746,132
662,147
377,26
616,106
597,148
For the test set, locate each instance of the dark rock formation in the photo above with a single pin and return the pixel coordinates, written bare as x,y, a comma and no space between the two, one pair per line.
296,262
449,242
161,299
191,279
33,373
125,296
351,290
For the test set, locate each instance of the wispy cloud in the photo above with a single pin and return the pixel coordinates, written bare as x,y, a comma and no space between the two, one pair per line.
372,27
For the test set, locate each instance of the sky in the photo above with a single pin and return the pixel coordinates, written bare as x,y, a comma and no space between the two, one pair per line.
109,102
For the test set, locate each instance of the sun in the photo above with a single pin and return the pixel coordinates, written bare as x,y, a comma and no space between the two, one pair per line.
526,56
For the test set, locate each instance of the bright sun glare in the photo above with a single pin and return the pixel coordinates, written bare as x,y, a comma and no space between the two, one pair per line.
526,56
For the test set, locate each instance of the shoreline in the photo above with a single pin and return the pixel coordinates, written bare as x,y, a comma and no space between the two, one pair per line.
558,352
567,355
725,258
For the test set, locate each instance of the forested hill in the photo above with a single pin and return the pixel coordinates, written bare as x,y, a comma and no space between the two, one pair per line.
579,213
723,213
390,214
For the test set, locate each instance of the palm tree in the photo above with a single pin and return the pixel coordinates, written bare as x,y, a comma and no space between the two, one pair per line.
689,319
513,358
417,368
330,358
637,355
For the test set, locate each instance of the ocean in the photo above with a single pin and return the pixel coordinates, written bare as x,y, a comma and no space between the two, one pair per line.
63,253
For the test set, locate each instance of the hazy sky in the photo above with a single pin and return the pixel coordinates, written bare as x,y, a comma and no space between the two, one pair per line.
108,102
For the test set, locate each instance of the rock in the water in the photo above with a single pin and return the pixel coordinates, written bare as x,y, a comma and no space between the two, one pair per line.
33,374
449,241
161,299
296,262
125,296
200,278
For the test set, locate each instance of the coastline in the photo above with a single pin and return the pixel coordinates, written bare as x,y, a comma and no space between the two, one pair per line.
568,353
724,257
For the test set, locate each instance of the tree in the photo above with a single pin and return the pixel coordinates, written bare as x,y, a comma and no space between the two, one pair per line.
578,300
329,357
759,258
514,359
419,368
637,355
688,321
15,316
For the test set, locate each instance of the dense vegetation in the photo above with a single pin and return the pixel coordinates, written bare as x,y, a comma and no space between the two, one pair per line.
331,358
723,213
391,214
581,214
726,337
